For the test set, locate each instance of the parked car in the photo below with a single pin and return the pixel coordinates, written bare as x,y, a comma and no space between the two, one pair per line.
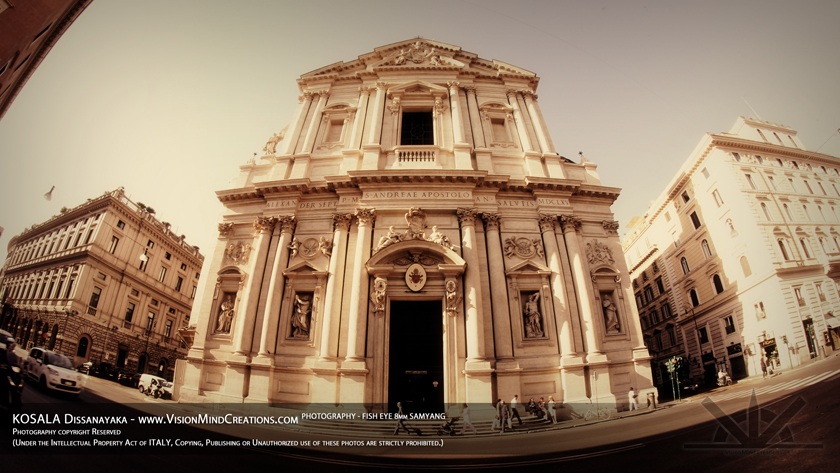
126,378
52,371
149,383
85,367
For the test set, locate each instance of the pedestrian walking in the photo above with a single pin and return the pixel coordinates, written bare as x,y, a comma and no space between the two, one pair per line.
763,368
401,421
503,414
465,415
552,413
631,399
513,411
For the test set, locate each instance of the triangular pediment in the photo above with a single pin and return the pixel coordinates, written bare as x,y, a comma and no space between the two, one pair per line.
303,268
417,54
417,88
528,267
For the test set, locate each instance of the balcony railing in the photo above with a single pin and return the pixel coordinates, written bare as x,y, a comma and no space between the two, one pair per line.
409,155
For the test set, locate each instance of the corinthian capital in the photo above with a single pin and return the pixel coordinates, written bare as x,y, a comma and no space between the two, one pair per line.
264,224
467,216
570,223
547,222
491,220
610,227
225,228
342,221
365,216
287,223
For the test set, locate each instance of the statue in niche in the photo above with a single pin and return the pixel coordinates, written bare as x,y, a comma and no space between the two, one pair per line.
302,316
610,315
380,285
533,318
452,297
225,317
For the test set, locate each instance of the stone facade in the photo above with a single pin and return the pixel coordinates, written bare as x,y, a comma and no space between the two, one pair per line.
412,234
106,282
745,238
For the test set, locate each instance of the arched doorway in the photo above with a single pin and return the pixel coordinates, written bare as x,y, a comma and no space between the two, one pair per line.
415,356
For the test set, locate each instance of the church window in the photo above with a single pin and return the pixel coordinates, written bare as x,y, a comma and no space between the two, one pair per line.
417,128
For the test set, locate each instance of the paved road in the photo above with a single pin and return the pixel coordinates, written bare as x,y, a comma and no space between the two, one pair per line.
785,423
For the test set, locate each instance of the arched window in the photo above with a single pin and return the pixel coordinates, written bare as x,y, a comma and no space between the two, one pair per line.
783,248
695,301
745,266
707,250
787,211
684,264
765,210
806,248
82,350
717,283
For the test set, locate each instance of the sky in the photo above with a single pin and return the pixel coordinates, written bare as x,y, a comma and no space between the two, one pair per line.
167,98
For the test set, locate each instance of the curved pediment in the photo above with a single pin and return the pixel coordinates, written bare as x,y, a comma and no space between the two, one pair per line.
408,252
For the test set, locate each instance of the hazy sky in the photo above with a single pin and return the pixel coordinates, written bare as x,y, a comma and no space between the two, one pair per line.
168,98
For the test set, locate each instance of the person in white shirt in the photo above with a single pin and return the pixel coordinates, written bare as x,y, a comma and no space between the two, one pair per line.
631,398
513,411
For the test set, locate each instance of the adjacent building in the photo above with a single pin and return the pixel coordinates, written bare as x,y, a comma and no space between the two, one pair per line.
733,262
105,282
28,31
413,235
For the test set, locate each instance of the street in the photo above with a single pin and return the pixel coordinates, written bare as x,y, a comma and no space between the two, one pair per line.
786,422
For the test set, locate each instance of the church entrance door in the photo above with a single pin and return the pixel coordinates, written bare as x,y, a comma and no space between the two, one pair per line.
415,356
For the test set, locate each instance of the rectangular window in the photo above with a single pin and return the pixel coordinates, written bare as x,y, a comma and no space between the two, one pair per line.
648,294
417,129
820,292
750,181
334,129
150,322
500,133
167,329
703,334
192,293
695,220
685,196
729,324
797,291
121,225
129,315
162,274
717,197
178,283
94,300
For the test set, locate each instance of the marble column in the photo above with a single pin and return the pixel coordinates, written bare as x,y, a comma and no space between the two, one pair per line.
247,311
359,286
315,121
543,137
475,118
498,288
268,338
455,107
561,304
359,122
294,134
521,129
335,286
582,280
472,286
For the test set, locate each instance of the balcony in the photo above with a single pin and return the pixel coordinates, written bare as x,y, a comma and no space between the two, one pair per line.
417,156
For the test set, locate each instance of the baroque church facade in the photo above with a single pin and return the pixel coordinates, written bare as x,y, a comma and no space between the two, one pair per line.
412,235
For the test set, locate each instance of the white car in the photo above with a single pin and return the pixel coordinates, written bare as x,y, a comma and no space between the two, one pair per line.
52,371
